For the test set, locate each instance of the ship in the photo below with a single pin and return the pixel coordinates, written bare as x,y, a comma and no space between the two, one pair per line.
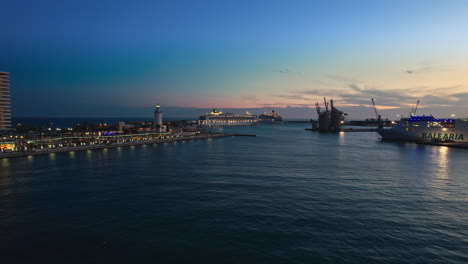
329,120
218,118
271,118
427,129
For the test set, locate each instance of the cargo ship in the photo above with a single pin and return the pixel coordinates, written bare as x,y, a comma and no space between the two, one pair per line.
218,118
271,118
427,129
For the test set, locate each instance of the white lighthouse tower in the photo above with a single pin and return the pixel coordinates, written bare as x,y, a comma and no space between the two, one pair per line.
157,119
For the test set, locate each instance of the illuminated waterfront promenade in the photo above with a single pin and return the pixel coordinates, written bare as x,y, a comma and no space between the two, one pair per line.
66,144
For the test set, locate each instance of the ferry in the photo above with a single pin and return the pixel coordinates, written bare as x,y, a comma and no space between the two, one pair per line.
271,118
218,118
428,129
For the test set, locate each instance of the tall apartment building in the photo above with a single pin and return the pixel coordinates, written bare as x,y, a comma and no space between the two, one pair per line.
5,101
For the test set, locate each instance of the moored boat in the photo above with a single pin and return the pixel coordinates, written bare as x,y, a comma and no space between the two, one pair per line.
217,118
271,118
427,129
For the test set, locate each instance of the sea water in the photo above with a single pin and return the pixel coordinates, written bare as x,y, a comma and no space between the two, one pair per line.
285,196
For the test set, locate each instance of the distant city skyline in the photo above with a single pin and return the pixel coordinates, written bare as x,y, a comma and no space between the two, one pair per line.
119,59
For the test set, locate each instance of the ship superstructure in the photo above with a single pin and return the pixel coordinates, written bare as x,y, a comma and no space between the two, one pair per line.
218,118
271,118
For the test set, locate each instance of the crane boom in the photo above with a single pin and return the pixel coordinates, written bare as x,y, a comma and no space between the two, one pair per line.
416,107
375,109
326,104
317,108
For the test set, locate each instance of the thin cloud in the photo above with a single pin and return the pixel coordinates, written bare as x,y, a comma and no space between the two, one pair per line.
291,96
341,78
250,98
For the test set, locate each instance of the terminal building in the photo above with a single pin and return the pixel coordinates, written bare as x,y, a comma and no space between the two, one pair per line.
5,101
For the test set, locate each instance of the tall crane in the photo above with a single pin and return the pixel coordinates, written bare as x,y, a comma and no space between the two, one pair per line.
415,109
379,118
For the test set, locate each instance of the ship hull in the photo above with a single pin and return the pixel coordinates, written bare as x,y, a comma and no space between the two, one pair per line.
271,121
227,123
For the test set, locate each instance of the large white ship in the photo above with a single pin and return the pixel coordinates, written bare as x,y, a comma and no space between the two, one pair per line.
217,118
428,129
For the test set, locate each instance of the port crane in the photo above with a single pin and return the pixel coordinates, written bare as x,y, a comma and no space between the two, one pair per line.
378,117
414,109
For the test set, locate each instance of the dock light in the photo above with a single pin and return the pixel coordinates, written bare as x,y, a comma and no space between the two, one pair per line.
453,115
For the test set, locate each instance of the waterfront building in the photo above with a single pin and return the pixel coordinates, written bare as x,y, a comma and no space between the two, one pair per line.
120,126
5,101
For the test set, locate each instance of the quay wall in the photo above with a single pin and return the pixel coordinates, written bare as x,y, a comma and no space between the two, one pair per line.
35,152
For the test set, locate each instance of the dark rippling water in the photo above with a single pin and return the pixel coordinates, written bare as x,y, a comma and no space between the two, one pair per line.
285,196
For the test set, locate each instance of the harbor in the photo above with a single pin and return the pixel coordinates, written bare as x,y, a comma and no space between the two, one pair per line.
89,136
226,132
57,145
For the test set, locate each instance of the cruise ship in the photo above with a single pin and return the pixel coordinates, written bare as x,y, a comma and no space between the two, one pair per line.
427,129
217,118
271,118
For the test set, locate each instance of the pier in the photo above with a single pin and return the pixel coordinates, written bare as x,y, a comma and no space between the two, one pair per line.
114,142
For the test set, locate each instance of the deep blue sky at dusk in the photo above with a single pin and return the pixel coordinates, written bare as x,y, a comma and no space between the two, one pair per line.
120,58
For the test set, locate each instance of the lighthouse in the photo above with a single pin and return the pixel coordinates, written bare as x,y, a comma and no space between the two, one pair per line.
157,119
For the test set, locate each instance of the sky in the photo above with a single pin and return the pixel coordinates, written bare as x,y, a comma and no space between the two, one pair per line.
120,58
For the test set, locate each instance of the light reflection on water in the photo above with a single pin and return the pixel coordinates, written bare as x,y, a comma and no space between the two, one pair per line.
348,191
341,137
441,171
119,152
5,162
442,161
89,155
